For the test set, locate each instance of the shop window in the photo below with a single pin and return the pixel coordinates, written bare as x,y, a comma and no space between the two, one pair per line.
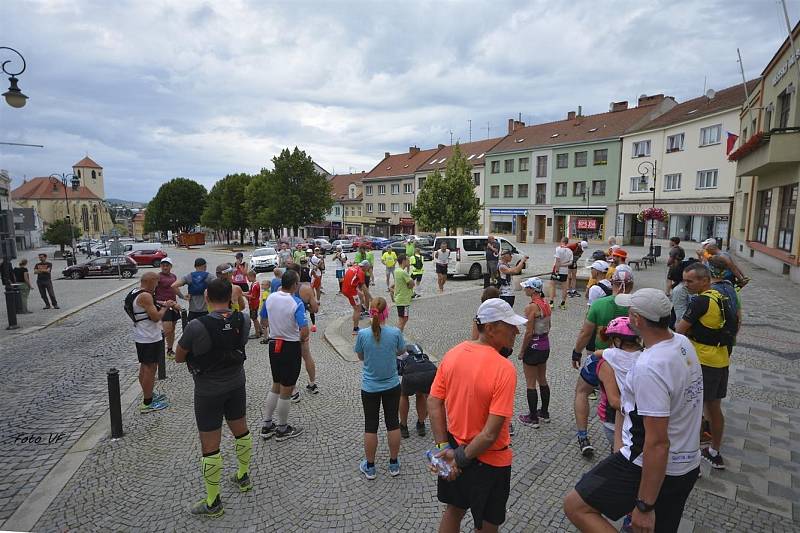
786,217
681,226
743,214
501,227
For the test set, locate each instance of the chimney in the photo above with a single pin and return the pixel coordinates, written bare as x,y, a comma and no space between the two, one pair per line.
518,124
413,150
645,100
571,115
441,146
580,111
510,126
386,155
618,106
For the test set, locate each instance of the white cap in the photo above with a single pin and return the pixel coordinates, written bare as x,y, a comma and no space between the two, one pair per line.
584,245
708,241
364,263
600,266
497,310
652,304
615,247
167,260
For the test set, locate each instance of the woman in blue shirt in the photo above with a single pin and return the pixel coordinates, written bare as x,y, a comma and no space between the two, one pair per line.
378,347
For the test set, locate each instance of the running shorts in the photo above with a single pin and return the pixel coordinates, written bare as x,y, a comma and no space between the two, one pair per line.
589,371
481,488
371,401
316,282
402,310
149,352
715,383
441,269
171,315
209,410
558,277
417,383
354,300
533,357
284,361
340,274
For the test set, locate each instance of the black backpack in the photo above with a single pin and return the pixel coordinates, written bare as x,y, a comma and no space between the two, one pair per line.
726,334
128,306
676,271
415,362
227,349
606,289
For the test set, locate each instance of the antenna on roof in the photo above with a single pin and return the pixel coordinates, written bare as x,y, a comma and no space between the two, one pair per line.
451,137
488,129
470,129
705,80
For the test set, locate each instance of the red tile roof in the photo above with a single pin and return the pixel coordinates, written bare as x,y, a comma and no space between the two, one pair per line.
86,162
474,152
47,189
398,165
340,184
729,98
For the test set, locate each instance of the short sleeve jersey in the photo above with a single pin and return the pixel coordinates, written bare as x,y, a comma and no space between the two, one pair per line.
703,311
353,279
402,292
389,258
474,381
380,358
563,256
42,271
601,312
286,314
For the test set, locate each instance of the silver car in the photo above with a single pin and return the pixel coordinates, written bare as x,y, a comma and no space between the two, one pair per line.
347,246
263,259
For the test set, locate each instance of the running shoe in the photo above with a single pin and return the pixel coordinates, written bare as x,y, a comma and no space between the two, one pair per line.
202,508
420,428
154,406
587,450
264,341
268,431
159,397
312,389
593,395
544,416
289,433
404,431
171,355
563,305
313,328
527,420
368,471
296,397
243,483
715,461
394,468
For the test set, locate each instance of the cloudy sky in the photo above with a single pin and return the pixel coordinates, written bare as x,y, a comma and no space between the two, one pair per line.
157,89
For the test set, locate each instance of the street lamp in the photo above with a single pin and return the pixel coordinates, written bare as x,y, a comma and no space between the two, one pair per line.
73,181
646,168
13,96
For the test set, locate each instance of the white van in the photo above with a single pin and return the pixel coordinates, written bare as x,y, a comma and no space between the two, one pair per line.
469,254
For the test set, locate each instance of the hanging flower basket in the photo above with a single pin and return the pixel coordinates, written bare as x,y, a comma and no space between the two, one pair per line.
653,213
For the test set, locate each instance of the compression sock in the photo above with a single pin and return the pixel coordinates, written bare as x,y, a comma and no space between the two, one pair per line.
244,448
212,473
283,413
533,401
269,406
544,392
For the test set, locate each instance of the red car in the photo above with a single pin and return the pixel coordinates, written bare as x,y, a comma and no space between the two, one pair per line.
147,257
362,241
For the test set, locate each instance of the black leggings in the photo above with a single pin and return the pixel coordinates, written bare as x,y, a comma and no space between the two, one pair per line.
372,407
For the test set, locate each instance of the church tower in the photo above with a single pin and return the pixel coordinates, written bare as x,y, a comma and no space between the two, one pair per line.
91,176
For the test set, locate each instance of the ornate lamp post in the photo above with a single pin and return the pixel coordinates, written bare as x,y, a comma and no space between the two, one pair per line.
646,168
13,96
74,182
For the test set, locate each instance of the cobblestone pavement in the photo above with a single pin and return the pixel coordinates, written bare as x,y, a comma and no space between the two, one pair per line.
146,480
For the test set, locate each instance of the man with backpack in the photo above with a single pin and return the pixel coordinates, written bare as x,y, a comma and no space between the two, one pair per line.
711,323
196,283
213,348
140,306
417,373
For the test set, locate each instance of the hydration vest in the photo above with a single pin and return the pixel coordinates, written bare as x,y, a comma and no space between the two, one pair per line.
198,284
227,349
725,335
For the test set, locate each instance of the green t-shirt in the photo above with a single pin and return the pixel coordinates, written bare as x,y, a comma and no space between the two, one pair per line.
402,292
366,255
298,255
602,311
410,247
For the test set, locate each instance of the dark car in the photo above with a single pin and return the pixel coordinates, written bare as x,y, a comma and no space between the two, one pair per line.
115,265
379,243
425,245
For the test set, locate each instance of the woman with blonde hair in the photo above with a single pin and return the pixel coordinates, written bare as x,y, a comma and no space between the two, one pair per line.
378,347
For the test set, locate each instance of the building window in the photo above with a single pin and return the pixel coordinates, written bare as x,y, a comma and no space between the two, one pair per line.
561,188
675,143
524,162
562,160
598,187
421,183
580,159
336,211
768,118
359,211
762,219
395,208
707,179
710,135
522,190
476,178
407,207
495,191
381,189
94,175
369,208
95,218
579,188
395,188
641,149
368,190
408,188
508,191
672,182
495,167
743,214
786,217
85,217
784,107
509,165
640,185
601,157
541,193
381,208
541,166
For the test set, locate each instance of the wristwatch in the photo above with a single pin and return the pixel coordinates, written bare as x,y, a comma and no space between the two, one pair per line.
644,507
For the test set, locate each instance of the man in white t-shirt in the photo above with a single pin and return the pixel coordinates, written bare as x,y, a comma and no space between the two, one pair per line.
563,258
601,287
662,401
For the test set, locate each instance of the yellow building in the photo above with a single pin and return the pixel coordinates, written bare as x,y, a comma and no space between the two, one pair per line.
53,201
765,223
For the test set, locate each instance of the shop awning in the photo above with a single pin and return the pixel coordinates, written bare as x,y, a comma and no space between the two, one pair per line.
584,211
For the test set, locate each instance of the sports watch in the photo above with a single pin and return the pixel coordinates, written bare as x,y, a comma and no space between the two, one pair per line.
644,507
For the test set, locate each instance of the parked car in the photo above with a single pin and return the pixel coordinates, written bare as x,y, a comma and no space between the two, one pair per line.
469,258
100,250
322,244
399,247
263,259
150,257
380,243
425,245
347,246
363,241
115,265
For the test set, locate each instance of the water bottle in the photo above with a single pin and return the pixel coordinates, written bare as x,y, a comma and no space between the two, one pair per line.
442,466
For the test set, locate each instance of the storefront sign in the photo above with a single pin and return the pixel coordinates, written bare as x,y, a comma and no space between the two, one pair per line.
785,68
407,221
587,223
508,211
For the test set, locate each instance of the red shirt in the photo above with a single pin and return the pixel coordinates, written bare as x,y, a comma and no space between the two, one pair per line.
353,279
254,295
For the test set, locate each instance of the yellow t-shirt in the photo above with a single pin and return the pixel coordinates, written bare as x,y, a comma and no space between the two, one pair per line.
611,270
389,258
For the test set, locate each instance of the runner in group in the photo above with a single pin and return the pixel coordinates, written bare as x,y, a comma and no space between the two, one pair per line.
288,329
239,274
340,263
299,253
238,301
732,271
492,256
656,469
417,267
389,260
254,303
602,286
304,272
416,380
618,258
535,352
572,272
196,283
311,305
505,271
354,289
675,257
378,348
213,347
442,259
563,258
317,264
470,406
402,292
284,255
165,292
365,255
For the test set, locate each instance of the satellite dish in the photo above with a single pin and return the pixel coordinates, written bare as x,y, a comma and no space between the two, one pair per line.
710,94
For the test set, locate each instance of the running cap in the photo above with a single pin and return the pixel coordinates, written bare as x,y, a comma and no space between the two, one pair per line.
615,247
622,275
619,252
338,246
224,268
364,263
239,255
497,310
506,252
652,304
533,283
167,260
584,245
199,262
309,251
600,266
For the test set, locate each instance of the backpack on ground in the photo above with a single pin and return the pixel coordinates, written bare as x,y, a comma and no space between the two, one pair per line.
227,349
128,305
198,283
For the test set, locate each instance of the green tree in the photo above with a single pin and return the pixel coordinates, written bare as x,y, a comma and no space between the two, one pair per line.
176,207
234,216
430,211
212,212
58,233
260,205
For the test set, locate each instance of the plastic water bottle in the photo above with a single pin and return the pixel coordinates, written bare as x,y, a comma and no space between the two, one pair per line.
442,466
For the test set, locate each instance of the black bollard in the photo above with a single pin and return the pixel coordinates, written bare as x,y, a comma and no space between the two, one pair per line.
114,405
184,318
162,364
12,296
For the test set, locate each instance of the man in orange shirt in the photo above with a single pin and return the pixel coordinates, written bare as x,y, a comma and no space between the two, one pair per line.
353,285
471,404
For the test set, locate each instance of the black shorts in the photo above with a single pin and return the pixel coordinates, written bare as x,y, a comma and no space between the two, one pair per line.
558,277
611,487
481,488
715,383
148,353
535,357
209,410
417,383
441,269
372,408
509,299
171,315
191,315
402,310
285,365
573,266
416,277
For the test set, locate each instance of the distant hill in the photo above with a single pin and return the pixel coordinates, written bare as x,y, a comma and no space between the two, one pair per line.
126,203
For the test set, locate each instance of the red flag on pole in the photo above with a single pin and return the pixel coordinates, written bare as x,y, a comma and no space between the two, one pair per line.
732,138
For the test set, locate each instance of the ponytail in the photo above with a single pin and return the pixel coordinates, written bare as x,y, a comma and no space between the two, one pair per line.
379,313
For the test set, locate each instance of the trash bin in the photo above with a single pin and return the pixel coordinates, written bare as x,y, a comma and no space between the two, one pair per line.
15,290
657,250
